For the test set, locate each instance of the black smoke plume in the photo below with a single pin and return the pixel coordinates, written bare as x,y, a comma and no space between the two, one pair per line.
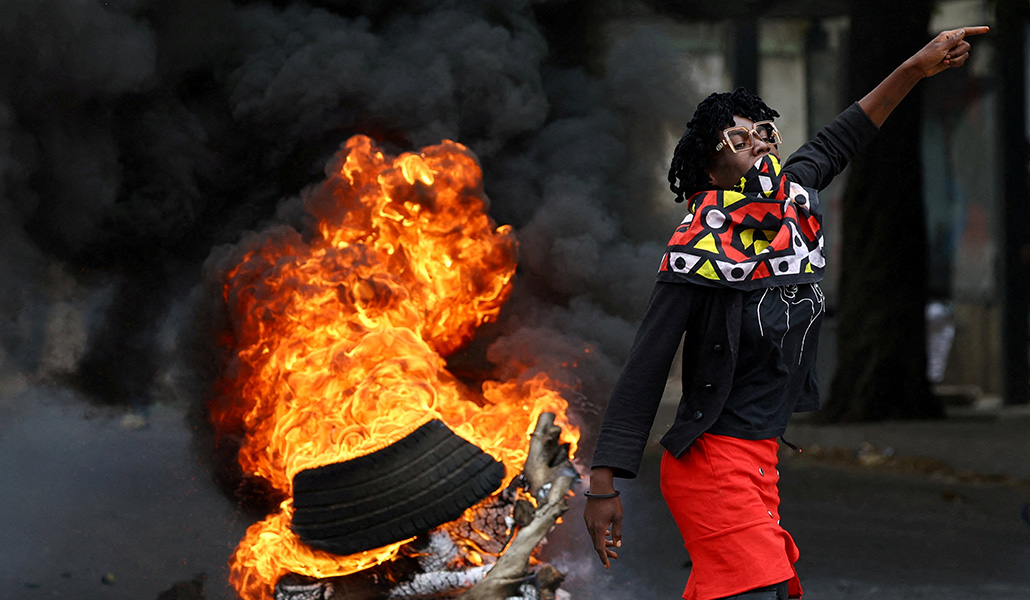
143,139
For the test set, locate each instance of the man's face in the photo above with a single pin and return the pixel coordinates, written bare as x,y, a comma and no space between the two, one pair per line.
726,167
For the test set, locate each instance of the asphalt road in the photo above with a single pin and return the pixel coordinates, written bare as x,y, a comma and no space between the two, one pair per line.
102,505
864,533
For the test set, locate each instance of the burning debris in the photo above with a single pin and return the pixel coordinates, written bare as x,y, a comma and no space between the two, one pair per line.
437,566
141,136
340,397
424,480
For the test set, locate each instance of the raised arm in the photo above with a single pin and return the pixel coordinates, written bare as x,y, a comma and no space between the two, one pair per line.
949,49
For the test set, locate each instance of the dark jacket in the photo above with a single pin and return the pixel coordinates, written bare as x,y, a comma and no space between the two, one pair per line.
708,320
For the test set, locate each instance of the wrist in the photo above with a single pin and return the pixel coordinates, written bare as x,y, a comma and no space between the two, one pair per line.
911,71
602,481
601,496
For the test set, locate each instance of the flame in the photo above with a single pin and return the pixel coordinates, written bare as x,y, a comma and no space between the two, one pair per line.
340,339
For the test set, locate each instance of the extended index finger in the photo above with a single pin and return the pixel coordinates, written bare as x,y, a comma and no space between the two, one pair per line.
974,30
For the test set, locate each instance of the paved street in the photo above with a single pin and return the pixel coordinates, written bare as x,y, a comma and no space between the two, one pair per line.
886,531
104,506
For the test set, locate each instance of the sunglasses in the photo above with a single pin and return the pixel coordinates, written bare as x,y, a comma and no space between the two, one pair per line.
739,139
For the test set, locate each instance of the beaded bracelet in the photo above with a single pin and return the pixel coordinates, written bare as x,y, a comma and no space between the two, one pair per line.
614,494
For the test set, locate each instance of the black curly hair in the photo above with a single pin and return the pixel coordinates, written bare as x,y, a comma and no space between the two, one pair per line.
687,173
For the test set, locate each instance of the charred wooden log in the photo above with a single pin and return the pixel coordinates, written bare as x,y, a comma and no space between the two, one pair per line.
549,475
297,588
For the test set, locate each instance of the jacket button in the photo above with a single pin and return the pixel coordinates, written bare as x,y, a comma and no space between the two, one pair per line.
709,387
717,348
698,415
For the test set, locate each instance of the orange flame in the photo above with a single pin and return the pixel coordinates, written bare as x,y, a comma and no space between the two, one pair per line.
340,338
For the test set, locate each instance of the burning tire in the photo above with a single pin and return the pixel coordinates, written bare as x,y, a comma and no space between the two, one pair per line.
423,480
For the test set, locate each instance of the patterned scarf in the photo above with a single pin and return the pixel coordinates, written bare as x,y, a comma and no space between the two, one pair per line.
766,232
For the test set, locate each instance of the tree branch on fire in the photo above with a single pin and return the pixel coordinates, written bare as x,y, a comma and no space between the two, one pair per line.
549,475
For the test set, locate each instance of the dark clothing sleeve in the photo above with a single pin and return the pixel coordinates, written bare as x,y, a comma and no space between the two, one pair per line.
815,164
638,391
709,317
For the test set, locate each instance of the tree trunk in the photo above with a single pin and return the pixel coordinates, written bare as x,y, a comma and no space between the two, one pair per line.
1012,18
881,349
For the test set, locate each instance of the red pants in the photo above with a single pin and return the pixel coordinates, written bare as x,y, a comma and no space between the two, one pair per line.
723,495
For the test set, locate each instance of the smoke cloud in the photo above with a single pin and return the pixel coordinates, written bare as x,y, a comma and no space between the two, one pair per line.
141,140
139,135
